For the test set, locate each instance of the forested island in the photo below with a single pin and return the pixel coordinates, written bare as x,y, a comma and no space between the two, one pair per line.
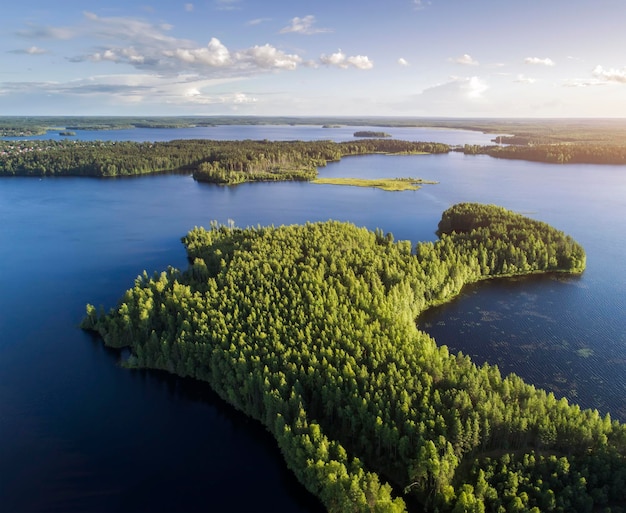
221,162
371,133
234,162
555,153
312,330
385,184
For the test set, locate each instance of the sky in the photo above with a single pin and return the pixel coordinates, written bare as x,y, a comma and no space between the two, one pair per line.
426,58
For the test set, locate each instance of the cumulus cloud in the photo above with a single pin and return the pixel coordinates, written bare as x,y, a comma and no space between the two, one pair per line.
215,59
474,87
268,57
610,75
466,60
403,62
150,48
341,60
215,54
536,60
33,50
303,26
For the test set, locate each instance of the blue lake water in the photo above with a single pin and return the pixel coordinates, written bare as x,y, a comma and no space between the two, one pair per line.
269,132
79,433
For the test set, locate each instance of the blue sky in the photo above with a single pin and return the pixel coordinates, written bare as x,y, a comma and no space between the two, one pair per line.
452,58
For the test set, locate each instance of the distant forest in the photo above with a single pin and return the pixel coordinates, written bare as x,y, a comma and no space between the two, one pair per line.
557,153
222,162
233,162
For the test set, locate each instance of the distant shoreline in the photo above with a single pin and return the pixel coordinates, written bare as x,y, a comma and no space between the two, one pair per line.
528,130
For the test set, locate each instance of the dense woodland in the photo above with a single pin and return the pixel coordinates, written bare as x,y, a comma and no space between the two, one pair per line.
223,162
312,330
233,162
563,153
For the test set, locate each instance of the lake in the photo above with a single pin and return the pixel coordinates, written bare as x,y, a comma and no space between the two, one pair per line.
79,433
269,132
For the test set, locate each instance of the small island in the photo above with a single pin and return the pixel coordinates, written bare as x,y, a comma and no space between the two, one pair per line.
371,133
386,184
67,133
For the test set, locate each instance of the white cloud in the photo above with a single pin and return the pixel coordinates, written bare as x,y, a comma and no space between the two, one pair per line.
127,29
334,59
268,57
403,62
189,7
536,60
135,87
303,26
466,60
610,75
215,54
524,80
341,60
257,21
474,87
149,48
196,97
583,82
458,88
152,49
33,50
360,62
240,98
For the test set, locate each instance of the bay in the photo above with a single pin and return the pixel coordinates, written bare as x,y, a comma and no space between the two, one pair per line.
79,433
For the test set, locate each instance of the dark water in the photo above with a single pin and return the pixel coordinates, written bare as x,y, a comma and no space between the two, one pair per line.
78,433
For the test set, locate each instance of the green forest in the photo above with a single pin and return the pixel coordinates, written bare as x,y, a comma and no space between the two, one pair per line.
221,162
556,153
311,329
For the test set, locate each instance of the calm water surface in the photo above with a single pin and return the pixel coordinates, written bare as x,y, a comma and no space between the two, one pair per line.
269,132
78,433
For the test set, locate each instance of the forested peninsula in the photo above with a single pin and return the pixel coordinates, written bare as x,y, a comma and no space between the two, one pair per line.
234,162
221,162
555,153
312,330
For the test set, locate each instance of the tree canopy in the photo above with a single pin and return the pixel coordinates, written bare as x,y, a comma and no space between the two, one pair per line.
222,162
311,330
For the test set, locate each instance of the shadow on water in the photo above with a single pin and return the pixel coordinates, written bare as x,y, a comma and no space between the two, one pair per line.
255,477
